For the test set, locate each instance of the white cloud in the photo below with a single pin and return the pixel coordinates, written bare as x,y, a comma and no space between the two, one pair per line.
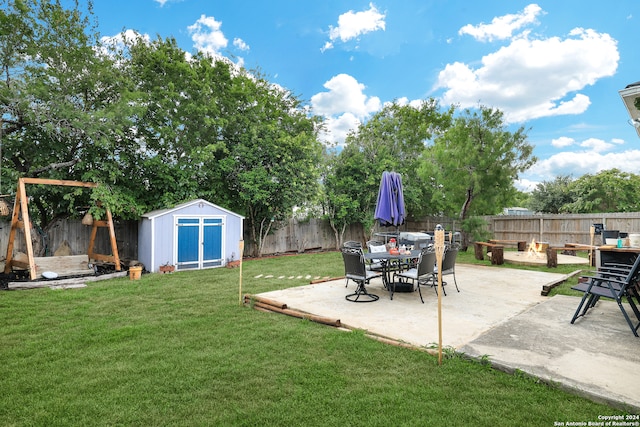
240,44
415,103
596,145
352,24
598,155
337,128
580,163
502,27
163,2
563,141
207,36
344,106
327,46
525,185
126,37
111,45
533,78
345,95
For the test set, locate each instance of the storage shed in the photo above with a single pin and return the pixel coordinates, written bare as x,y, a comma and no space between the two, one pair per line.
191,235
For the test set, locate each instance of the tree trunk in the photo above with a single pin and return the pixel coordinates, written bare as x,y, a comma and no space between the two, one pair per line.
335,234
264,232
463,215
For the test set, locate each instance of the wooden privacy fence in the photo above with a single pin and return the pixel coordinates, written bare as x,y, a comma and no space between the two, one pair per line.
77,236
560,229
316,234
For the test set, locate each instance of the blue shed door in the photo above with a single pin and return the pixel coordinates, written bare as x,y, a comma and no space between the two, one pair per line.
199,242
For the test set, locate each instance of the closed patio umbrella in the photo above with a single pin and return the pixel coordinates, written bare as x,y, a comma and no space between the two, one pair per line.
390,205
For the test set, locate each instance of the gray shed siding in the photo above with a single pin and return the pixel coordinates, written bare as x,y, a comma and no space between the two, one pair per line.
157,232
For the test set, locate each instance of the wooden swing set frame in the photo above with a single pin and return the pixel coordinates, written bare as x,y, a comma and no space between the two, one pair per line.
23,222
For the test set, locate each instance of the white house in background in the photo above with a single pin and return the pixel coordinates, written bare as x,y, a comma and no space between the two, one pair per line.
517,211
193,235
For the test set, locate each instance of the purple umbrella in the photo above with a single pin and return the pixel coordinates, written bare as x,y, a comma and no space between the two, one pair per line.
390,204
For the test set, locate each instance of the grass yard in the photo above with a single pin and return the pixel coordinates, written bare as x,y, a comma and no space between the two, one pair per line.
178,350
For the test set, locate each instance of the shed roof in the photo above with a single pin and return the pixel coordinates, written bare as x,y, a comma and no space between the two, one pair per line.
161,212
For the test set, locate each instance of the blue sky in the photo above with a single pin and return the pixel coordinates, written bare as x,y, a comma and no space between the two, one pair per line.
554,67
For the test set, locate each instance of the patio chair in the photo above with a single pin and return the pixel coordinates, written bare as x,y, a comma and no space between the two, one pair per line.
613,283
350,244
448,268
374,246
356,270
422,273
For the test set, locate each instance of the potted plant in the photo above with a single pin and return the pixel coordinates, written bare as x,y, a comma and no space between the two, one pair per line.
167,268
232,262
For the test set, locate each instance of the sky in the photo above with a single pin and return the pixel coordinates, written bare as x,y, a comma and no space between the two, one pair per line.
553,67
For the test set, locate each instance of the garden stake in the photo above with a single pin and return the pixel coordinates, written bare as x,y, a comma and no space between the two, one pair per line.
439,234
240,285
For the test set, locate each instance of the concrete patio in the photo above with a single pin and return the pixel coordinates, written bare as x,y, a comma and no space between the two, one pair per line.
498,313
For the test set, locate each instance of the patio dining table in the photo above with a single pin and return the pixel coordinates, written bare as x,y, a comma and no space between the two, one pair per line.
386,260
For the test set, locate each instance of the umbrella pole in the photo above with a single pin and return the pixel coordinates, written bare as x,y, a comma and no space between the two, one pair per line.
439,246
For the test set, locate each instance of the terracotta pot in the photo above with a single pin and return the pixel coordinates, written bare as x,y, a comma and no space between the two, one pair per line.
135,272
167,269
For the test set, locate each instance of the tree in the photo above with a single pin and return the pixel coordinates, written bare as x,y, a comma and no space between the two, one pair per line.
607,191
341,206
154,125
271,155
552,196
59,100
472,167
178,120
392,140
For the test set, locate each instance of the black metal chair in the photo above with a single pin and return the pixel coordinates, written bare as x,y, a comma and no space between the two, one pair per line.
449,264
448,268
614,283
355,269
422,273
374,246
350,244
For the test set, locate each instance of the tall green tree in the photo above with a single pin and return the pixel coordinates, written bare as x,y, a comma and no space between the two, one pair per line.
59,100
607,191
552,196
472,167
341,194
178,118
271,155
392,140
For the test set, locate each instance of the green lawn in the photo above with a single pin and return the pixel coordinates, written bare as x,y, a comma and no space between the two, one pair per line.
179,350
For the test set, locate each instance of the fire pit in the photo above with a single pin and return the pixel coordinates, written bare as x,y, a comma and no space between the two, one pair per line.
536,255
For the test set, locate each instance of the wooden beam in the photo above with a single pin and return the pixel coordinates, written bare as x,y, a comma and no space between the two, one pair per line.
27,230
112,237
12,230
92,241
62,182
103,257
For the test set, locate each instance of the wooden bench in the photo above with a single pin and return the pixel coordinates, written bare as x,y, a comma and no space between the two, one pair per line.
497,252
521,244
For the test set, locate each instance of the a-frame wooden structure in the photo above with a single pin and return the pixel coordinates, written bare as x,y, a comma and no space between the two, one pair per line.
20,219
